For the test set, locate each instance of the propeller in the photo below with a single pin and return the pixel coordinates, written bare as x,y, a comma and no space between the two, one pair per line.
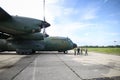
45,24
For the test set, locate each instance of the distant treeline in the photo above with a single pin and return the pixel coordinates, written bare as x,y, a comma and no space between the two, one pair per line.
110,46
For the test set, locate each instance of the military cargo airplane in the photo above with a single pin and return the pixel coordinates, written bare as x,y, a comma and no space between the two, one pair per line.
23,35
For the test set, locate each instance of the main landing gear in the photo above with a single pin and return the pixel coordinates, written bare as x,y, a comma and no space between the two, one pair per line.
24,52
65,52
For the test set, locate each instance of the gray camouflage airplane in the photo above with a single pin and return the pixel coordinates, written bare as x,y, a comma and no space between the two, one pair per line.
23,35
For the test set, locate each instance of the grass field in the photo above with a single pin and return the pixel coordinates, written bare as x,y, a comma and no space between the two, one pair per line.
115,51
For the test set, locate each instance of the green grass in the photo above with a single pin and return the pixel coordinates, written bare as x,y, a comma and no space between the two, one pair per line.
115,51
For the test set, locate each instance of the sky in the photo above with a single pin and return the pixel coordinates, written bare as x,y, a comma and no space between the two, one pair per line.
85,22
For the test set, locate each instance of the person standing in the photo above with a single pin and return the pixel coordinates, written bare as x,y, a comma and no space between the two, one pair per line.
74,51
86,52
81,51
78,51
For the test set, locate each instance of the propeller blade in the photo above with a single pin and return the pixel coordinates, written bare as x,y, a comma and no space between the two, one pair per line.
44,17
43,10
45,24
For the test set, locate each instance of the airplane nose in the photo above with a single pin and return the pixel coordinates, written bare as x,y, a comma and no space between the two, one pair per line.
74,45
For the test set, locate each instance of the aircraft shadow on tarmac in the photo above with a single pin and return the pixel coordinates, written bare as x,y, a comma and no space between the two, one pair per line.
37,52
12,70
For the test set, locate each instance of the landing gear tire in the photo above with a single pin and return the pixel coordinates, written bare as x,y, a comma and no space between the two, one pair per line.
65,52
23,52
18,52
33,51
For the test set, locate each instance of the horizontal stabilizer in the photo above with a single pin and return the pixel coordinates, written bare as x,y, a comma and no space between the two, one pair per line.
4,15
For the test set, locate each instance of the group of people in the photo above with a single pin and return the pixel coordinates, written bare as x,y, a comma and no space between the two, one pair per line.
79,51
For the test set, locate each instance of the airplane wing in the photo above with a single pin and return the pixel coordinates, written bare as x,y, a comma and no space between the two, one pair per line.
20,27
4,15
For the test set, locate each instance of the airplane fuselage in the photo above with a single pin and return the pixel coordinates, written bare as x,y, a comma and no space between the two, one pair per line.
48,44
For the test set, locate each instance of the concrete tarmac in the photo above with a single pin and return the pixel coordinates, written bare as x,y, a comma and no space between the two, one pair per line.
56,66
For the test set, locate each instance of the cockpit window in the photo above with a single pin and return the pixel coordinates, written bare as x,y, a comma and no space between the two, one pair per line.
69,40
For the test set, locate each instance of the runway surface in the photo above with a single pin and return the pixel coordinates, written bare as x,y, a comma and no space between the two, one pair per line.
57,66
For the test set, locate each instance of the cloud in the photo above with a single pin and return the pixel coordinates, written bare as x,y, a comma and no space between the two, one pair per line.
89,13
105,1
73,31
27,8
112,33
64,29
69,28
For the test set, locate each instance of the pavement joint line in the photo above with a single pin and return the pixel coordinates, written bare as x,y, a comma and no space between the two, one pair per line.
105,78
70,68
108,66
21,70
34,69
